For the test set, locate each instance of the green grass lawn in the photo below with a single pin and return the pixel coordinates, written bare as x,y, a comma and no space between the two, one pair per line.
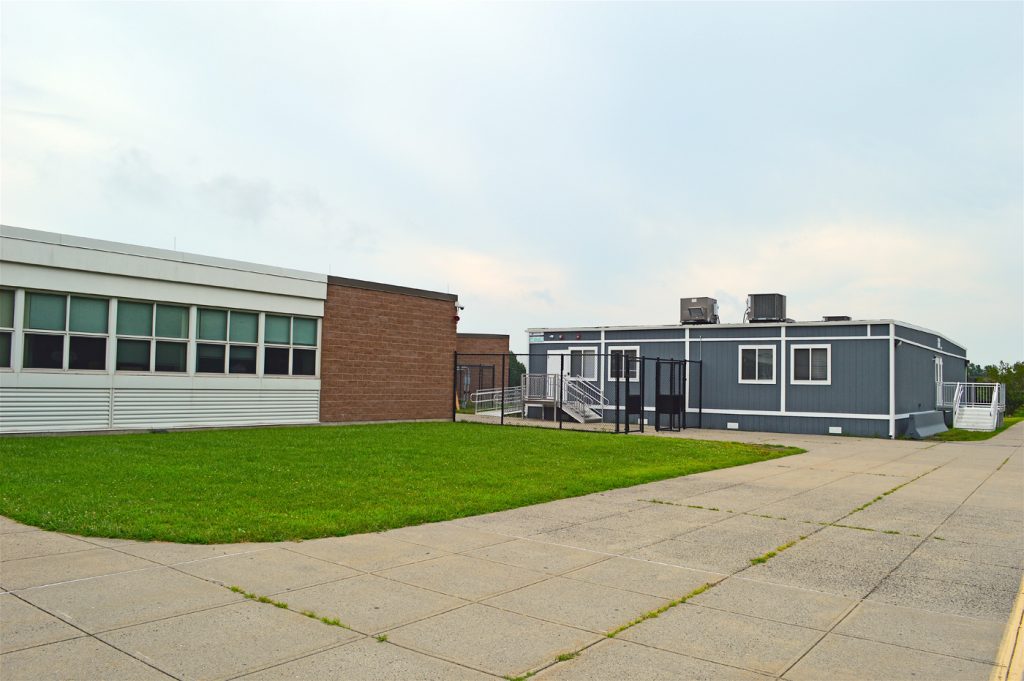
959,435
297,483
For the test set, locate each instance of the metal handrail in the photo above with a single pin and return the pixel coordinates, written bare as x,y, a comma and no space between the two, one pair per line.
491,400
591,393
540,386
956,395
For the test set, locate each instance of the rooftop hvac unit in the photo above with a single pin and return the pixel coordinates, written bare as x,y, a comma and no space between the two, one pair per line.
836,318
766,307
698,311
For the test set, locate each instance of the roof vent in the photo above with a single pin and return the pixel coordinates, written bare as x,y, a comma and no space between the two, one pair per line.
836,318
698,311
766,307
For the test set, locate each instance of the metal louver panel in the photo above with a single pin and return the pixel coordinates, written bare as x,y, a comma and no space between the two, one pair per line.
138,408
36,409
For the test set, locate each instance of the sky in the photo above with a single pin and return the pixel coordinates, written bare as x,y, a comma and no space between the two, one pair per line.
552,164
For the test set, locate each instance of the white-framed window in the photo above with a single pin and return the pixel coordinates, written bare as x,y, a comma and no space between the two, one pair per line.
64,331
289,345
622,363
152,337
226,340
938,370
811,364
583,363
757,364
6,327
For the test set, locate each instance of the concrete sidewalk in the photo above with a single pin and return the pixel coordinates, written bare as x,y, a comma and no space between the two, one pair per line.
876,560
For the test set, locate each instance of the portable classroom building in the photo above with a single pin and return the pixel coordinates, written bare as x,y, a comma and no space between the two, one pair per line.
858,377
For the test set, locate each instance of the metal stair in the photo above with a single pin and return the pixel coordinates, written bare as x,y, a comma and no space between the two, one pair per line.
974,418
978,406
582,401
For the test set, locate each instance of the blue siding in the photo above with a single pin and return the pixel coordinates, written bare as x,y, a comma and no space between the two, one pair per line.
915,377
722,389
794,424
748,331
811,331
646,334
860,380
929,339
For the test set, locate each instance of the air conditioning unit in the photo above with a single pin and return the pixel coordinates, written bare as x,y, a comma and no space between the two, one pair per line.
766,307
836,318
698,311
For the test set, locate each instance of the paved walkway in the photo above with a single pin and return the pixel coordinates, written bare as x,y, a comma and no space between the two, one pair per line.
875,560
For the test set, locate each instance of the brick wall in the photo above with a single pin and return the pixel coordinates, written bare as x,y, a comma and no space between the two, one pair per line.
490,346
387,353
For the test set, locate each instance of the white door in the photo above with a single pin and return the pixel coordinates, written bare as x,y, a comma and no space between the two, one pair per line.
556,366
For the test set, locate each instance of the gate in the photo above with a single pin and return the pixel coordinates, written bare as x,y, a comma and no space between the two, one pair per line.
669,394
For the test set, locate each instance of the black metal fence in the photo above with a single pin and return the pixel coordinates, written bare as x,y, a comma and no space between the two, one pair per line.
579,389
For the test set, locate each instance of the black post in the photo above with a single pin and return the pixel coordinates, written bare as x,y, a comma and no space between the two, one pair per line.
657,394
561,376
624,368
455,383
686,390
700,391
502,420
611,358
643,395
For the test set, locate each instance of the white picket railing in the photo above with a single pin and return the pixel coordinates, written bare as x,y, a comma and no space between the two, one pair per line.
950,395
540,387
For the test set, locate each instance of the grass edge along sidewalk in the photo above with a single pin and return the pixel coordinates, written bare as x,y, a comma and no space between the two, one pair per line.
273,484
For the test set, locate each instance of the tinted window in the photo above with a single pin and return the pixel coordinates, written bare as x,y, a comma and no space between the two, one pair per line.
87,352
44,352
275,361
132,355
170,356
242,360
210,359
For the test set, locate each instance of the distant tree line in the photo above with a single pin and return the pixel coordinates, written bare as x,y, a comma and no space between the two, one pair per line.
515,370
1012,375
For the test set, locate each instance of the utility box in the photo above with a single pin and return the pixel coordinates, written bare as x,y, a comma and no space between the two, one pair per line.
766,307
698,311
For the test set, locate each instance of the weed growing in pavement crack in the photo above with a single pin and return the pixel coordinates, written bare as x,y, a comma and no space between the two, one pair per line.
381,638
567,656
520,678
654,613
330,621
778,549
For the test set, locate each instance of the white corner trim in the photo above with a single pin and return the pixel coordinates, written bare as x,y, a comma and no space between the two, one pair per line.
892,381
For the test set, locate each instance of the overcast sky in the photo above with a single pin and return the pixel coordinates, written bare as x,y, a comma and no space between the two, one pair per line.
553,164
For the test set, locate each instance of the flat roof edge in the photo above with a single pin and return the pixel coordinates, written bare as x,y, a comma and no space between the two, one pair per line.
665,327
88,243
390,288
495,336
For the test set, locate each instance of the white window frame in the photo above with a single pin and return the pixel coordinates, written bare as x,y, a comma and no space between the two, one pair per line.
810,381
756,348
66,334
938,369
623,348
153,339
291,346
583,350
12,329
